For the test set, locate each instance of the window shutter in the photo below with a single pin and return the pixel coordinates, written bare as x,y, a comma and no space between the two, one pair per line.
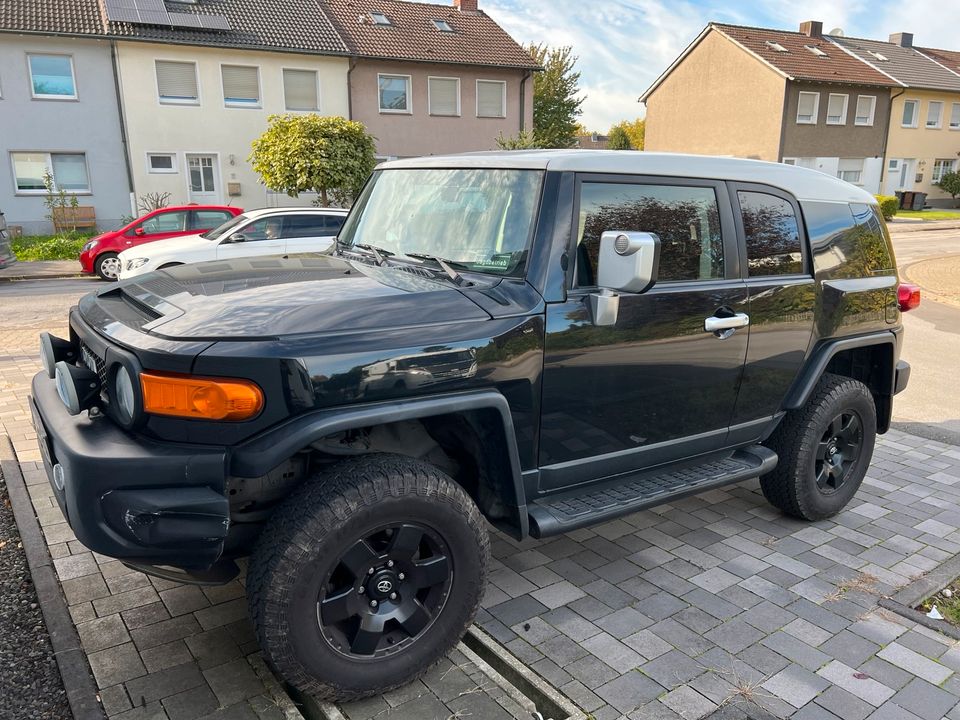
177,80
490,99
300,90
865,109
241,84
807,107
955,116
444,96
836,109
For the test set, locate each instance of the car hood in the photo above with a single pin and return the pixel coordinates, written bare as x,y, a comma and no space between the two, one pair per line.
186,243
272,297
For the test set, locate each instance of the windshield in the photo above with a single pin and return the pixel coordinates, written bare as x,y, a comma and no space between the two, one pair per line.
226,228
477,218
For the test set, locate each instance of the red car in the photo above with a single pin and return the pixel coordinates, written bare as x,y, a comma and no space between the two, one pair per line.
100,254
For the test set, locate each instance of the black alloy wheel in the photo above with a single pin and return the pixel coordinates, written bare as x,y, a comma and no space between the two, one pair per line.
838,451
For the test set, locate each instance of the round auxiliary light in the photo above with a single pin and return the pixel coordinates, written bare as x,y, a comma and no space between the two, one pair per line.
78,388
124,394
47,358
66,389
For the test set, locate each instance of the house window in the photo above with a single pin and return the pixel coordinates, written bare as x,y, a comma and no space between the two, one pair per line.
444,95
941,167
789,161
808,106
850,170
777,47
301,89
241,85
442,26
394,93
69,171
866,108
491,98
51,77
177,83
910,113
934,114
161,163
955,116
380,19
837,109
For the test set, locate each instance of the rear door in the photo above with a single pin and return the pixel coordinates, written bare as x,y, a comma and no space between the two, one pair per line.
203,220
656,386
260,237
310,232
160,226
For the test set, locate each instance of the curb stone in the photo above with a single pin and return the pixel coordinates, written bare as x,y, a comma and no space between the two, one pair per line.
902,603
71,660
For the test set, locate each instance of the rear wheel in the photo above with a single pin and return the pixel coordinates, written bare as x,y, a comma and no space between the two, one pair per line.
107,266
366,576
824,448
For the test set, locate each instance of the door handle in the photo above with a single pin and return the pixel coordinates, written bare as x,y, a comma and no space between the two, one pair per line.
719,324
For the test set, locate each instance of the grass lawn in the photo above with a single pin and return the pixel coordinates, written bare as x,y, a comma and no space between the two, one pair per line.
49,247
929,214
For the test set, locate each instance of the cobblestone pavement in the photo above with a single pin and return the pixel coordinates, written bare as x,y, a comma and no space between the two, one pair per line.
939,277
670,613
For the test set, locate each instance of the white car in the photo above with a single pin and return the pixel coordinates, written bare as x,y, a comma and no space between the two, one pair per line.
270,231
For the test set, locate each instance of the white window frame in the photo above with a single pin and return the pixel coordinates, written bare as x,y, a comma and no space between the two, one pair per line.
503,100
926,120
442,25
843,113
316,75
789,161
430,97
871,116
50,154
73,75
859,172
175,101
375,14
954,109
916,113
391,111
258,105
174,168
951,168
816,108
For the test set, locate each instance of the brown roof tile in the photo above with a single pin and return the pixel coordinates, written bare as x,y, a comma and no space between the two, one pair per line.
476,39
904,63
60,17
949,58
801,64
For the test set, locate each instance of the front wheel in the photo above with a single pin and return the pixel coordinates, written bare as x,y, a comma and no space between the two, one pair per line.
366,576
824,448
107,266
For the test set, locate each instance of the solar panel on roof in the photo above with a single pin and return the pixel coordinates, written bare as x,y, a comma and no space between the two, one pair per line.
154,12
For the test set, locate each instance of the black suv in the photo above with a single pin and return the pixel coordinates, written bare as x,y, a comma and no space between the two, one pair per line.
540,340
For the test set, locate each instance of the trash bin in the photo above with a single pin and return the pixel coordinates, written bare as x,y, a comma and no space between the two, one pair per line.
899,194
906,200
919,200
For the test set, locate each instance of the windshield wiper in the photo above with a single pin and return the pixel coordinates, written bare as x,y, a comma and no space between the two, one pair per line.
381,254
456,277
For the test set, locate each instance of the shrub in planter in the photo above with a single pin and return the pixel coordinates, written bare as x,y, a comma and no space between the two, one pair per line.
889,204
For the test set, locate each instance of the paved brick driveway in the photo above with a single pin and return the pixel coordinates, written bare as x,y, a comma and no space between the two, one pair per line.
663,614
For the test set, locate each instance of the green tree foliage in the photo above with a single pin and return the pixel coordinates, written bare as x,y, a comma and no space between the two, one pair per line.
618,139
556,106
889,204
950,183
330,156
523,140
636,131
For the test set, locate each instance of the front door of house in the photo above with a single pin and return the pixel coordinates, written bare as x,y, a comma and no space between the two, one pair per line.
900,174
203,179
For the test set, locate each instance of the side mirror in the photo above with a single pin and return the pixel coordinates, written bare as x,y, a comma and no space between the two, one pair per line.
140,231
628,262
236,238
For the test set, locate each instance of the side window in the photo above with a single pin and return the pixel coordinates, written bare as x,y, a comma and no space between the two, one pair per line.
267,228
165,223
334,223
209,219
685,218
773,234
304,226
872,238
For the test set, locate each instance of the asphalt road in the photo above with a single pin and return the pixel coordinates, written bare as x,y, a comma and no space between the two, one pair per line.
930,406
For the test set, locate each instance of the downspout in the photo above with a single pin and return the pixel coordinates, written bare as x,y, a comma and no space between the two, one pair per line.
353,64
523,99
123,122
886,138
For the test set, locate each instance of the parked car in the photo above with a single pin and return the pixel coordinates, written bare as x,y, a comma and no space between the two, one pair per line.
270,231
100,254
541,340
7,257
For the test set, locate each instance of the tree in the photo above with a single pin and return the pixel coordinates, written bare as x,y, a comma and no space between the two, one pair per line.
618,139
330,156
635,130
523,140
950,184
556,106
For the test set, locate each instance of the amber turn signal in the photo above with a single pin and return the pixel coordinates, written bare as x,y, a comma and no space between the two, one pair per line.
201,398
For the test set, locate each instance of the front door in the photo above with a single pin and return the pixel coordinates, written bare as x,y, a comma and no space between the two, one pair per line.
203,176
655,386
260,237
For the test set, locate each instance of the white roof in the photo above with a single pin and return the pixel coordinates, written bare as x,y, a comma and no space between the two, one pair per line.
802,183
310,210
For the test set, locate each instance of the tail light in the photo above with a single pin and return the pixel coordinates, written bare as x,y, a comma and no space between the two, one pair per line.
200,397
908,296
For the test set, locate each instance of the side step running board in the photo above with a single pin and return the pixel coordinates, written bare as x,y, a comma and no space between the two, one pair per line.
555,514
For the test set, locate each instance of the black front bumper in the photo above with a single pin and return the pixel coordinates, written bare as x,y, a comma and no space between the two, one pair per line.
128,497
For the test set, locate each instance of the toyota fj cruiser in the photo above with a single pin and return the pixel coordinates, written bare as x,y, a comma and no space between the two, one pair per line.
541,340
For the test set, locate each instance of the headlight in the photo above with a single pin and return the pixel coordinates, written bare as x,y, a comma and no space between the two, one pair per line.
123,394
77,387
135,263
89,246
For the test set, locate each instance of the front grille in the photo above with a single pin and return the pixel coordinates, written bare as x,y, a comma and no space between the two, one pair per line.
94,362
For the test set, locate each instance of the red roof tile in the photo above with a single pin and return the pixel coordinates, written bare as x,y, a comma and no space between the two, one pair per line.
950,58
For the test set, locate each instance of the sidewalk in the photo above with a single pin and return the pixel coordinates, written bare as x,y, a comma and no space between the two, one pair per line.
898,225
41,270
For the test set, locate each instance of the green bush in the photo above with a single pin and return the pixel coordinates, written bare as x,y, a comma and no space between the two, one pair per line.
889,204
49,247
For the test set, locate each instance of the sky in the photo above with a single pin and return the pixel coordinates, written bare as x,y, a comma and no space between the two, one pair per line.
624,45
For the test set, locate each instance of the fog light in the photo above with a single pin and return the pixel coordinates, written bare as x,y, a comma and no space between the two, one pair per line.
59,477
53,350
77,387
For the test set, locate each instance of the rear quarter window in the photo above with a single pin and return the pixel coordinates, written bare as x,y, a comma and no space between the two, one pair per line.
847,241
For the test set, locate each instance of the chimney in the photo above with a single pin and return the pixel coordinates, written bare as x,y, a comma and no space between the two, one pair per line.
902,39
812,28
465,6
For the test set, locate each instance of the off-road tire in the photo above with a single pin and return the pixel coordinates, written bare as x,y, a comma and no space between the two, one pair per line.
98,266
792,485
298,547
